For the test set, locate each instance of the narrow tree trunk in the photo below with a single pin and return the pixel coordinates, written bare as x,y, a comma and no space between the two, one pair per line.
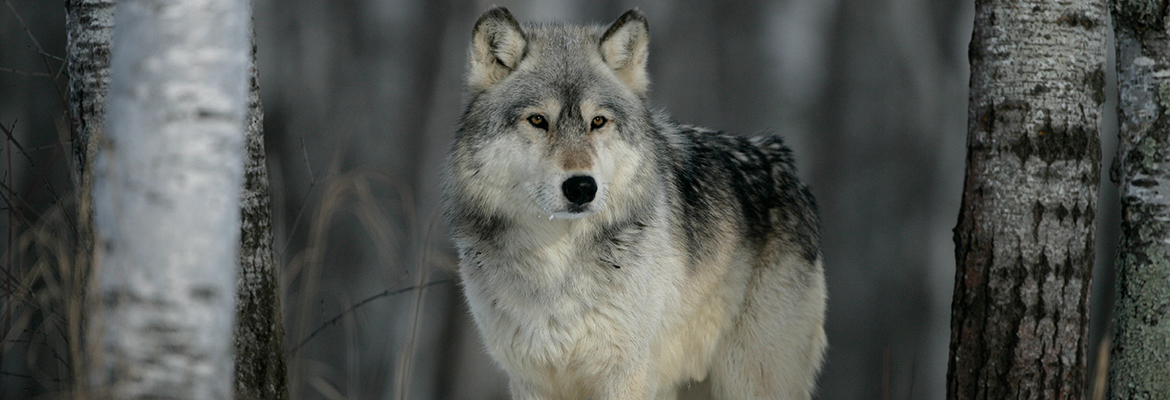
89,26
259,337
166,200
1140,361
1024,241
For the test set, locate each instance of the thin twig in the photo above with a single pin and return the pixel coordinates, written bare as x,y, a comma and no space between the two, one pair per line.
10,198
16,375
40,50
305,154
25,73
40,173
301,212
405,367
8,132
339,316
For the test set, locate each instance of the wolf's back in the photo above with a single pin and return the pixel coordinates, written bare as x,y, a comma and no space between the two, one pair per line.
749,180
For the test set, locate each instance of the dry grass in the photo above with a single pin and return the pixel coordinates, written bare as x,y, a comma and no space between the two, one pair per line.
44,302
353,192
1099,373
44,291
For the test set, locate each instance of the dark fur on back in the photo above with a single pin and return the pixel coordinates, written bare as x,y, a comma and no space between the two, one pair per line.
754,176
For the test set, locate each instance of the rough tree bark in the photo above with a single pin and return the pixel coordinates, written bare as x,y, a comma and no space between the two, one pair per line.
1140,360
259,334
89,27
167,186
1024,240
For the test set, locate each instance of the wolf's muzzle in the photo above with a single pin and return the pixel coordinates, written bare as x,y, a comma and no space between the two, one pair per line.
579,189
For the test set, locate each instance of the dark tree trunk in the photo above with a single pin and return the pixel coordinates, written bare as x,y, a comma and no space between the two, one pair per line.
1140,361
259,335
89,26
1024,241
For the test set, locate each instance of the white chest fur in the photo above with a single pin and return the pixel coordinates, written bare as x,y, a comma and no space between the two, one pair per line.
562,306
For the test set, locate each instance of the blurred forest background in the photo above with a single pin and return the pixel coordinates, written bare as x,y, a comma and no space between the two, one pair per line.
361,100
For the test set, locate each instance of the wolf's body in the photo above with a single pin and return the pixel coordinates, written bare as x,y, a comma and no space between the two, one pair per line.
609,253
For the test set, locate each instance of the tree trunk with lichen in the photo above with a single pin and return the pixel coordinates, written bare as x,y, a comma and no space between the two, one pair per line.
1024,241
1140,360
259,335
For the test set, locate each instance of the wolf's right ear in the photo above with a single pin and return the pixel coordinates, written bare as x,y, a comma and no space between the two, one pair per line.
497,45
625,47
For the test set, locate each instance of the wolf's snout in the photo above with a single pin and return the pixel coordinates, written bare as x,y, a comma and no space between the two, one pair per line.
579,189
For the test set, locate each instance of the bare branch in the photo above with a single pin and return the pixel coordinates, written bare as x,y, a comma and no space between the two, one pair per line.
26,73
337,318
40,50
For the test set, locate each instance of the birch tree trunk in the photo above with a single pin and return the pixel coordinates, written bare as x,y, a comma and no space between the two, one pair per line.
1024,241
166,201
1140,360
89,27
259,335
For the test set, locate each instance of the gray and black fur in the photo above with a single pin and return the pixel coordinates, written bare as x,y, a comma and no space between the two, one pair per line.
610,253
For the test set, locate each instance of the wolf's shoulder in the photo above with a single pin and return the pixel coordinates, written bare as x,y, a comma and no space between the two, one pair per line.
714,172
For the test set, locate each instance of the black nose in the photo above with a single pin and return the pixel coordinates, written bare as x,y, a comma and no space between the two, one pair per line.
579,189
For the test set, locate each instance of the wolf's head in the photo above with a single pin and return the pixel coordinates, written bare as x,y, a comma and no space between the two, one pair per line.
556,122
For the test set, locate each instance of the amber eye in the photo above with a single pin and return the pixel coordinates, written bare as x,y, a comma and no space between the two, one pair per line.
597,123
538,121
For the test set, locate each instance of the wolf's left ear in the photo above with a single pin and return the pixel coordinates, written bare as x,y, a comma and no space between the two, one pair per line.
497,45
625,47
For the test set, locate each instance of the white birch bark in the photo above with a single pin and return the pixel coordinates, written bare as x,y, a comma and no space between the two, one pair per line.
1140,359
167,190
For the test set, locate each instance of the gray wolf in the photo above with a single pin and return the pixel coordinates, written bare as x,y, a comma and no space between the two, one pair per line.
608,252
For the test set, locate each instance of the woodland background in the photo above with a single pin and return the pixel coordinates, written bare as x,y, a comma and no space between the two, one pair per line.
361,99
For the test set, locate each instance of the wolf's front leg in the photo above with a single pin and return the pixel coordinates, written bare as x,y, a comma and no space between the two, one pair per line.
629,384
522,390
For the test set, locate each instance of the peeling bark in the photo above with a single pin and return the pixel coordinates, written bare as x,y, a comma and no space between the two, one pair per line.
1024,241
167,182
1140,359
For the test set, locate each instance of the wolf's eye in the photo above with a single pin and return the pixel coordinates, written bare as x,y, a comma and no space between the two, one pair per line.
538,121
597,123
